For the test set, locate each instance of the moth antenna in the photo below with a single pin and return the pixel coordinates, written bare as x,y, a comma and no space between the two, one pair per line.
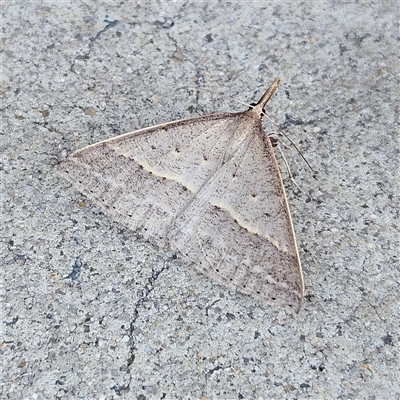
291,175
290,172
290,140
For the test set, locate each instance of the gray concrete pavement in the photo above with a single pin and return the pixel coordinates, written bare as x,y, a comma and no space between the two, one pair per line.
92,311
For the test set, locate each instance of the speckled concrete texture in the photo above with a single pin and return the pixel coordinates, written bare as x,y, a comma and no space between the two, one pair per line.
90,310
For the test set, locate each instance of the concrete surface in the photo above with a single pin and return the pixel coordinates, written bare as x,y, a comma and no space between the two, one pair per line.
92,311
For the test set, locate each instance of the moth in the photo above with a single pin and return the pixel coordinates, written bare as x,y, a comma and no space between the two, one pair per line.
208,188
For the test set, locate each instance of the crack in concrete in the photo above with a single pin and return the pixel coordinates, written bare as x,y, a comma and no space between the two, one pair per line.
149,287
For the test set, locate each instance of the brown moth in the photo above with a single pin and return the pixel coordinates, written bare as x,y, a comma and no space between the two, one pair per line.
208,187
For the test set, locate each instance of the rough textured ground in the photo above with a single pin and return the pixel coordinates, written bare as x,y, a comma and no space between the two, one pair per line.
92,311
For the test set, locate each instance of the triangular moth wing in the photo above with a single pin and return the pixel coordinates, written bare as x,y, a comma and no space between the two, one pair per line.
145,178
238,230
